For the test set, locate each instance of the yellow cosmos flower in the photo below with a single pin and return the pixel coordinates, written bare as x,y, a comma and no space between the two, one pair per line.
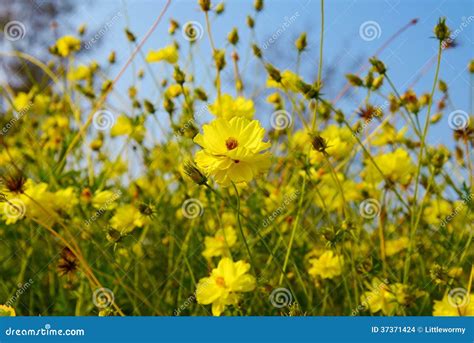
227,107
233,150
339,140
54,129
394,246
331,198
127,218
389,135
289,80
81,72
437,211
168,54
222,288
126,127
380,298
327,266
105,200
221,242
38,203
448,306
397,166
67,44
7,311
173,91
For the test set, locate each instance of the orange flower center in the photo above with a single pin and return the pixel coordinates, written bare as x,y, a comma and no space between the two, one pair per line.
231,143
220,281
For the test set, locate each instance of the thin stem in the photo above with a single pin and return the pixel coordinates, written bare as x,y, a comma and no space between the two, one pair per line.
214,51
293,231
242,231
420,161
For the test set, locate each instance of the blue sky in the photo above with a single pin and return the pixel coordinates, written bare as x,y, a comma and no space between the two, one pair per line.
344,47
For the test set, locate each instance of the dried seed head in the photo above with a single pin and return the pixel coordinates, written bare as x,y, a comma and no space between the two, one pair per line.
319,143
15,183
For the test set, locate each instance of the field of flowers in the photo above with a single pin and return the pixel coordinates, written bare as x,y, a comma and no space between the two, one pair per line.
306,208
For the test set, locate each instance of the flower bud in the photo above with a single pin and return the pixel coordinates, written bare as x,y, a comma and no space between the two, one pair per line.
149,106
301,42
442,86
194,173
257,51
205,5
219,59
179,76
354,80
250,22
258,4
378,65
130,36
273,72
233,36
111,57
173,26
220,8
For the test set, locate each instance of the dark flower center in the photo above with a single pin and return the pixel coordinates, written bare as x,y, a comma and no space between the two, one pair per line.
231,143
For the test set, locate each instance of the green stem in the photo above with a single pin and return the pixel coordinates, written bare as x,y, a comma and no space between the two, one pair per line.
242,231
293,231
420,162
